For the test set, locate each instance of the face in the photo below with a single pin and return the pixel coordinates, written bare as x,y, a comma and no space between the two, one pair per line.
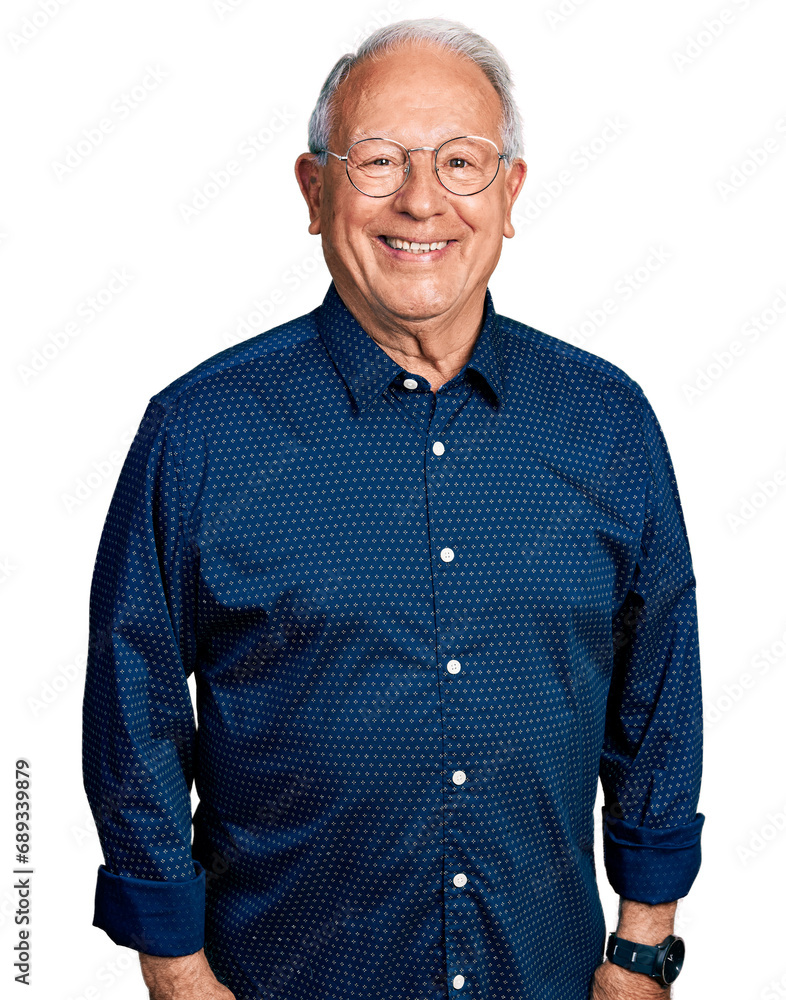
419,96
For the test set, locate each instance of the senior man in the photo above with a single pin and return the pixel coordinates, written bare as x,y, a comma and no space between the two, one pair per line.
430,570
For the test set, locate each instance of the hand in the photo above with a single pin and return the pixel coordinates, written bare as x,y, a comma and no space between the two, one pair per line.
612,982
184,977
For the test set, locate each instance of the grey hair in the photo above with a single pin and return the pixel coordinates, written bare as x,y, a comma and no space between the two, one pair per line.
448,34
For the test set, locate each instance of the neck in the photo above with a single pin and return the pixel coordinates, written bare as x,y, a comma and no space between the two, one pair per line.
435,348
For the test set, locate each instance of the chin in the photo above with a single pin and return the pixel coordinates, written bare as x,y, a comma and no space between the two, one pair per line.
413,306
416,299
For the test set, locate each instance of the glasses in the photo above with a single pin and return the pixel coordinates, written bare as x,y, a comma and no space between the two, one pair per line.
379,167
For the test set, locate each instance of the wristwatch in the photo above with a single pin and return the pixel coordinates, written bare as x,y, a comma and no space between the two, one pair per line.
663,962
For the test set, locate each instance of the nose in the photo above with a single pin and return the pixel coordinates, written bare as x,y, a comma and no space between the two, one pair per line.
421,191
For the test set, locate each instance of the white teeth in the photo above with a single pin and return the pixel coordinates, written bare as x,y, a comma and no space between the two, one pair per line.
394,241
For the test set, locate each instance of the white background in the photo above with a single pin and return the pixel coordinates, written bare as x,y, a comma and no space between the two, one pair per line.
688,116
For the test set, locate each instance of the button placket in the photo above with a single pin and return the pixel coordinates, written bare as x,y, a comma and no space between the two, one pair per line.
449,558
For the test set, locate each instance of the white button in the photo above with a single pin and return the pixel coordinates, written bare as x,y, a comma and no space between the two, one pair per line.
453,666
410,383
458,982
459,777
438,448
460,879
446,555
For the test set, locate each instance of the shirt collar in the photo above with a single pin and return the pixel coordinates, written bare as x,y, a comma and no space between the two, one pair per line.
368,370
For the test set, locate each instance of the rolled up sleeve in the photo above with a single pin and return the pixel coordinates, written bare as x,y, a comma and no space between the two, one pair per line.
138,726
651,763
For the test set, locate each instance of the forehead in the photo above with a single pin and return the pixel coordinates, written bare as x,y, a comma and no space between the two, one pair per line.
418,94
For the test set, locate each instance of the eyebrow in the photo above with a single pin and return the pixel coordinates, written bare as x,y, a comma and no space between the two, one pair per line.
364,133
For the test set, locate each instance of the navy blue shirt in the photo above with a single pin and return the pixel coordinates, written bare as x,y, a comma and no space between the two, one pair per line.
422,626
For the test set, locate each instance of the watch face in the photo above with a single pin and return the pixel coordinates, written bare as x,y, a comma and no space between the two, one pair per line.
672,963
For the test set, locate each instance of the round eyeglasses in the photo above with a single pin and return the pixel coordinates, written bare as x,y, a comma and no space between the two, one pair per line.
379,167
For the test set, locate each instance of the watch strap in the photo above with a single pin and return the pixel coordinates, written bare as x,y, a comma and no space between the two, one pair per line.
633,956
662,962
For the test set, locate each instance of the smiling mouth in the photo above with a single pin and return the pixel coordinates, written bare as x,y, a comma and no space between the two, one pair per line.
415,248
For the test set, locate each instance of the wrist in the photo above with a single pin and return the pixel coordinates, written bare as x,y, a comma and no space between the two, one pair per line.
645,923
164,975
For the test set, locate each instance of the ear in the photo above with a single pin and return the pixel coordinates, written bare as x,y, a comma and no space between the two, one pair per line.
309,178
515,176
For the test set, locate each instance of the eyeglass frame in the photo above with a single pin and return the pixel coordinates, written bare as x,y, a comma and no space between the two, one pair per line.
414,149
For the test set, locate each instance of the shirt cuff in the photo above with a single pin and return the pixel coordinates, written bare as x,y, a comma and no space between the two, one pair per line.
648,865
156,918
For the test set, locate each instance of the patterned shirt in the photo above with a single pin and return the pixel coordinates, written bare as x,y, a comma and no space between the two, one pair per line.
422,627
